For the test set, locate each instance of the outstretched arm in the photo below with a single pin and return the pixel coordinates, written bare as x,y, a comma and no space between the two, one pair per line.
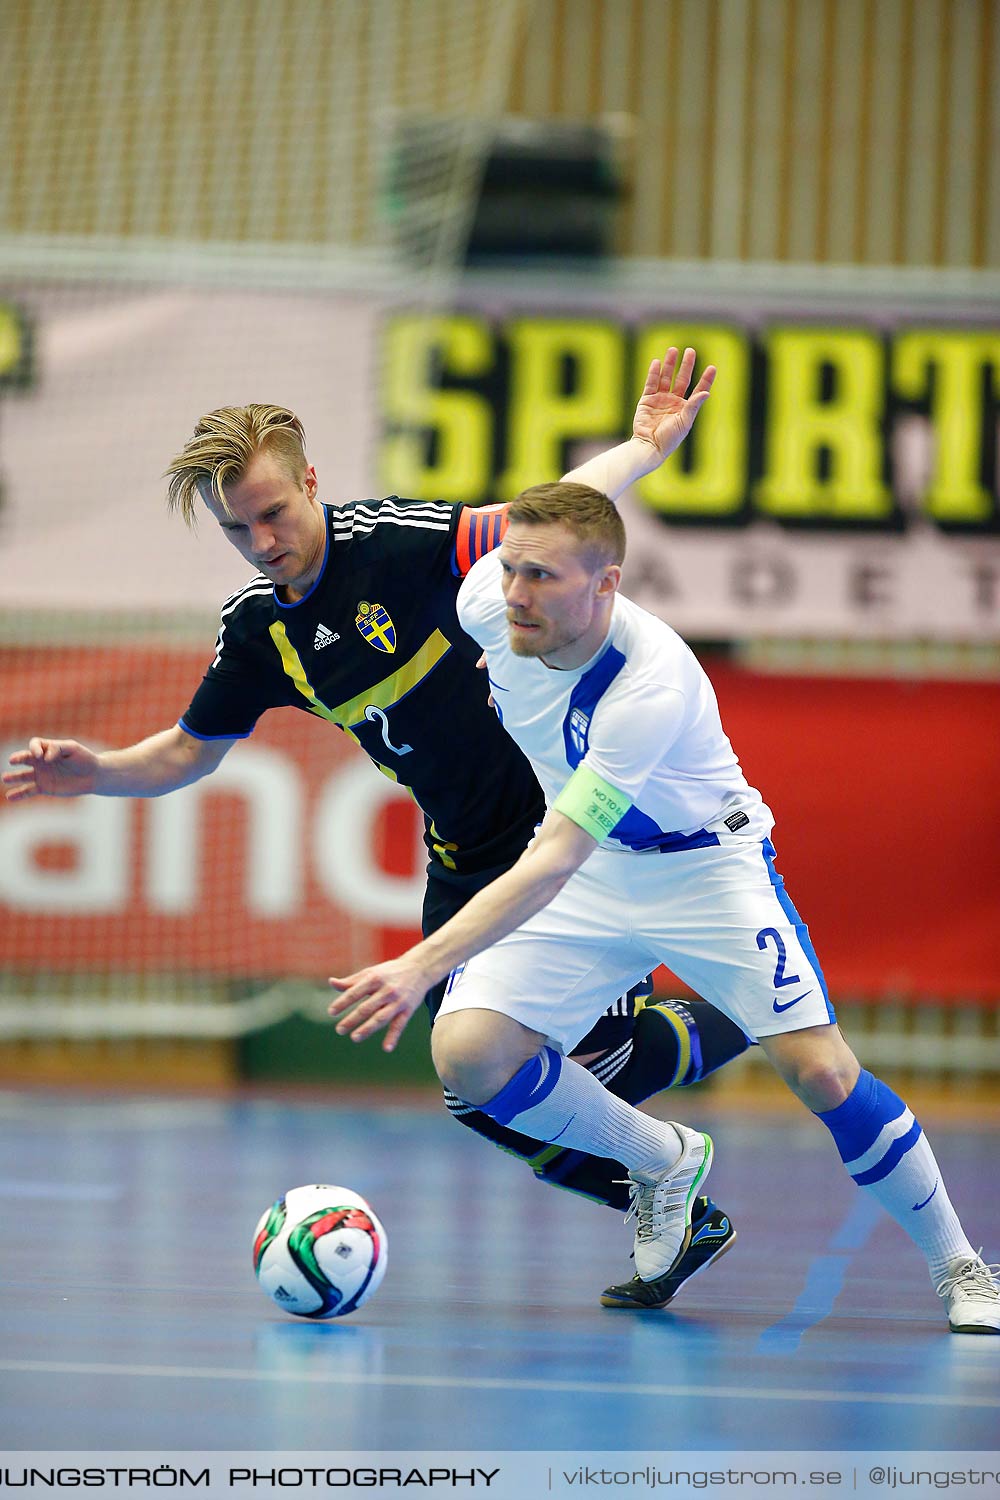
663,418
65,768
387,994
662,421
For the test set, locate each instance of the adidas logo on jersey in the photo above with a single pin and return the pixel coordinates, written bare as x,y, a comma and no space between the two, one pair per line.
324,637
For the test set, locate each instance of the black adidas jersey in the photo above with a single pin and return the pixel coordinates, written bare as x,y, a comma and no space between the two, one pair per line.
375,647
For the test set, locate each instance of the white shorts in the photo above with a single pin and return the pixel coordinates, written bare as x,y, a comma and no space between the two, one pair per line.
719,917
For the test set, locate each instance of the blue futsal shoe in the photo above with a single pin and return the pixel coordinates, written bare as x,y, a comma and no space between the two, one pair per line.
712,1234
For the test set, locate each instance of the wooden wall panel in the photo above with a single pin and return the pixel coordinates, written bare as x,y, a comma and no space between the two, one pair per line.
830,131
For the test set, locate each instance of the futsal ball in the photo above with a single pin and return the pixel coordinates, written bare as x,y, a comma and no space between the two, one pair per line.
319,1251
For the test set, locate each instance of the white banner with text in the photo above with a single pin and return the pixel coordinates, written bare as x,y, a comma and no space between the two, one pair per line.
841,482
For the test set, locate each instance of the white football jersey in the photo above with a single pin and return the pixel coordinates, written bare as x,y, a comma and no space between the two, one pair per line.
641,715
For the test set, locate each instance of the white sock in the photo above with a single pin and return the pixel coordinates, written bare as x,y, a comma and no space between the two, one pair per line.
886,1152
555,1099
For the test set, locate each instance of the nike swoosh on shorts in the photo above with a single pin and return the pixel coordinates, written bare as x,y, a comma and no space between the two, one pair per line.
789,1003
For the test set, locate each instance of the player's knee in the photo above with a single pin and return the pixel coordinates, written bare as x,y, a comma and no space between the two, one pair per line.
816,1063
820,1087
474,1053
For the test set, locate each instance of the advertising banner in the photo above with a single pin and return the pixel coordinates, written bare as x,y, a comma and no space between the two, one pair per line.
840,485
297,858
841,482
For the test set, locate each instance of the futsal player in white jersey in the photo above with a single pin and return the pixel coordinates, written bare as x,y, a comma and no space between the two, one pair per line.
653,848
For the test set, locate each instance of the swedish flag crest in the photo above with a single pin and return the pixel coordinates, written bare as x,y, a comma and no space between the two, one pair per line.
376,626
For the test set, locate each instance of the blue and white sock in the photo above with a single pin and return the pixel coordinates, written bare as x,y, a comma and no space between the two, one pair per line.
555,1099
884,1150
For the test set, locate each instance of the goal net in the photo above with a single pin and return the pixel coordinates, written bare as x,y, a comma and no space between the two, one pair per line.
203,202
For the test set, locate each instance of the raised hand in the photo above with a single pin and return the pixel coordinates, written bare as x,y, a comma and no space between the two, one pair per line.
50,768
665,413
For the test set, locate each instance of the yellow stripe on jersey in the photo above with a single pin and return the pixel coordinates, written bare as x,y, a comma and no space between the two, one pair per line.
389,691
381,695
592,803
442,848
294,669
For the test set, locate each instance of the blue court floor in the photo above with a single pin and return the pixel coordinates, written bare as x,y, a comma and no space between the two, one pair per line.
130,1317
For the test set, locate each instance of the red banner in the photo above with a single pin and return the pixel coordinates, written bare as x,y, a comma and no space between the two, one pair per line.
297,858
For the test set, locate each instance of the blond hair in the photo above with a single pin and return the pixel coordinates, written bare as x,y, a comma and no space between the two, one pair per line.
223,446
590,516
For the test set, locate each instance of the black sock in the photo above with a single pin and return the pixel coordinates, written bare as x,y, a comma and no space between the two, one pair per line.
676,1043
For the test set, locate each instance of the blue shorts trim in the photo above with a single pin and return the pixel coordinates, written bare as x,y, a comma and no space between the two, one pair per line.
801,930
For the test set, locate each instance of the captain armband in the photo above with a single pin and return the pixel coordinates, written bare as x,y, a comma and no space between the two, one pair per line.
592,803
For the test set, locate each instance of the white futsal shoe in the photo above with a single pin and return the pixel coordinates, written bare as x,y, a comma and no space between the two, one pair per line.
972,1296
662,1208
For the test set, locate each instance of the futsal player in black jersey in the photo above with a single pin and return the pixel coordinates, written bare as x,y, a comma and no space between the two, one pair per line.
351,617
